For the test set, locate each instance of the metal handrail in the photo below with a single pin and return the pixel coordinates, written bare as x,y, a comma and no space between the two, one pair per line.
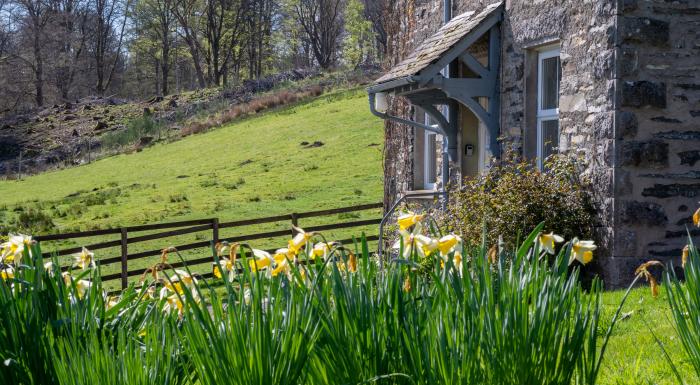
389,213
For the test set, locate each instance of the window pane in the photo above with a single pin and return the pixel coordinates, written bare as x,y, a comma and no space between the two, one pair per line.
430,158
550,83
550,137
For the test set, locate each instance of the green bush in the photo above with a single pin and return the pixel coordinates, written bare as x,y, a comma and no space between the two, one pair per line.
513,197
135,130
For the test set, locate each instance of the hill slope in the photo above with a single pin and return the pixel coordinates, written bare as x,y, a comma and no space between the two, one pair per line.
248,169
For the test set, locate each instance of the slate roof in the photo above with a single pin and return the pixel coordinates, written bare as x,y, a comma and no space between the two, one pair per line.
432,49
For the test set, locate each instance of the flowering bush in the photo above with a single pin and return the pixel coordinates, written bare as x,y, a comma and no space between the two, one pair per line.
313,312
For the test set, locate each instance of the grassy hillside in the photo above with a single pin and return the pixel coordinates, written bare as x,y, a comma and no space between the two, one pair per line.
251,168
321,154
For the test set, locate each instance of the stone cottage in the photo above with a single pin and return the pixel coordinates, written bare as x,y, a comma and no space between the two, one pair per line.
615,82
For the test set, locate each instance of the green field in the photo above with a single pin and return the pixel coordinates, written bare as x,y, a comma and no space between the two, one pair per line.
253,168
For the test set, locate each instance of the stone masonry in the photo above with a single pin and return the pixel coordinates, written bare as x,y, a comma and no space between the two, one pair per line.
629,107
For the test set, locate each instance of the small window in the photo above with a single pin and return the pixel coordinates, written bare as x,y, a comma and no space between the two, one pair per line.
430,156
548,79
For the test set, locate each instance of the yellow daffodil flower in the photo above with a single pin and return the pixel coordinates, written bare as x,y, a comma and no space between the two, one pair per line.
12,249
82,286
227,264
449,243
320,249
411,241
281,259
261,260
300,239
547,241
85,259
696,218
409,219
426,243
582,251
173,303
7,272
685,255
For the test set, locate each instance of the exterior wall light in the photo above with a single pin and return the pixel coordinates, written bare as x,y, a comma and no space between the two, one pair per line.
381,104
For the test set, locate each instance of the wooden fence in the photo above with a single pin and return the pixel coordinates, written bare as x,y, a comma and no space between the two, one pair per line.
198,225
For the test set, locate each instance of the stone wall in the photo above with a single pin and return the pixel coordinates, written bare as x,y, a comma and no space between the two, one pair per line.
657,178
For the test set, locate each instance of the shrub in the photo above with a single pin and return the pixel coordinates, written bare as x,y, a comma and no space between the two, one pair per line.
34,221
135,130
513,197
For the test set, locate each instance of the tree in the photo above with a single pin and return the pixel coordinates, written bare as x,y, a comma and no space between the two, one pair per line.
186,12
224,27
110,22
359,37
378,13
322,22
33,16
69,32
155,22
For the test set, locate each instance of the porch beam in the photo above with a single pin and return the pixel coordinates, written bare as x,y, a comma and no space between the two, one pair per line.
474,65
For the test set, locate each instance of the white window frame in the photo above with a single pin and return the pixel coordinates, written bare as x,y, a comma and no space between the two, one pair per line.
546,114
427,183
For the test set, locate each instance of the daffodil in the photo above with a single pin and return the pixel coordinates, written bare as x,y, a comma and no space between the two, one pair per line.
173,303
413,241
177,283
547,241
685,255
409,219
111,302
696,217
12,249
582,251
300,239
85,259
426,243
7,272
449,243
281,259
320,249
82,286
228,265
261,260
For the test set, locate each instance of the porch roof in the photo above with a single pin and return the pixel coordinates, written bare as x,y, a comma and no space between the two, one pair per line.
437,47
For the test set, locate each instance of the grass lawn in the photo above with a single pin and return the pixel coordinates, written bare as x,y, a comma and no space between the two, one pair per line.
633,356
253,168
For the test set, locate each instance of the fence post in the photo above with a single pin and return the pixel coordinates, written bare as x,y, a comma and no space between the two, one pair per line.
124,261
215,230
295,222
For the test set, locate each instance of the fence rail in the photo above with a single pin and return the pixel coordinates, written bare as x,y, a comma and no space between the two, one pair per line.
174,229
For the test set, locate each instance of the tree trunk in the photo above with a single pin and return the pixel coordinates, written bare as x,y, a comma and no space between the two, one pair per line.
38,70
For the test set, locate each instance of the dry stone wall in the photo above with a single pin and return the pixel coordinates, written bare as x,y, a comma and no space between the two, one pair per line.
657,178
